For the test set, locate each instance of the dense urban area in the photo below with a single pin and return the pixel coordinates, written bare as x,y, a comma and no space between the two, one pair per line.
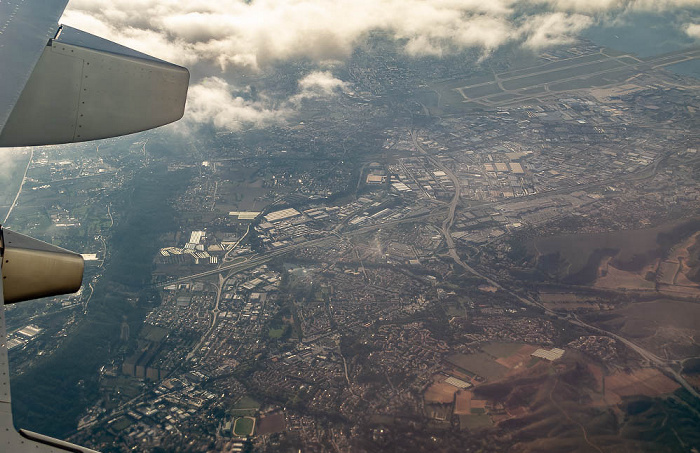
441,257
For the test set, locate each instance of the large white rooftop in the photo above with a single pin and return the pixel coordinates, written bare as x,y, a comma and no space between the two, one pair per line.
551,355
281,215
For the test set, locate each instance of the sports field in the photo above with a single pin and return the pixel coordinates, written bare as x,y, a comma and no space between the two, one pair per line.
244,426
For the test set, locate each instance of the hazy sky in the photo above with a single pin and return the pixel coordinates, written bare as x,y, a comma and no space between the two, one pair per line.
228,36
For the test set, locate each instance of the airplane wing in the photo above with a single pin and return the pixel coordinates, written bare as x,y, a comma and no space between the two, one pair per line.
25,28
62,85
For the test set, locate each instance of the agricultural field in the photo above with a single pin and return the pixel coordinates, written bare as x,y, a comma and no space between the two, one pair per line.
502,349
475,422
560,407
669,328
610,277
245,194
440,393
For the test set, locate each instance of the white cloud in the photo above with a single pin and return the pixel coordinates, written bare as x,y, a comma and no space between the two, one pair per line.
553,29
214,101
662,5
598,6
253,34
693,30
318,84
223,37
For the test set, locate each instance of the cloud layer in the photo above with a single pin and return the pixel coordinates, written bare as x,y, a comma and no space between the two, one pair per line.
216,101
254,34
236,35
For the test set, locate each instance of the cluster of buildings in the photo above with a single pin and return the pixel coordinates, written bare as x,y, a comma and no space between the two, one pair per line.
290,226
197,250
23,336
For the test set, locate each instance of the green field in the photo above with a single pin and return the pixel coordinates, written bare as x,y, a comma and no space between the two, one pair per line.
475,422
244,426
532,91
607,78
153,333
121,424
275,333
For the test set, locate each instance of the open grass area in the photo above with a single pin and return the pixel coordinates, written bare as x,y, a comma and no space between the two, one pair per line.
503,98
125,385
273,423
665,327
607,78
121,424
475,422
554,65
480,364
502,349
246,406
275,333
559,74
480,91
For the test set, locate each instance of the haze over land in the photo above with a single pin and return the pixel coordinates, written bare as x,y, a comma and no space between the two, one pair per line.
382,226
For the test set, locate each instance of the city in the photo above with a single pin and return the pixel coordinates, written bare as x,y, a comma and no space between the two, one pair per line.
495,258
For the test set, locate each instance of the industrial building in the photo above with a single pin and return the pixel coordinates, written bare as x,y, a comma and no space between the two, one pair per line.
551,355
282,215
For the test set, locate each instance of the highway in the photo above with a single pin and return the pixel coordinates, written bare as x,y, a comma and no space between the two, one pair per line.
252,262
215,315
